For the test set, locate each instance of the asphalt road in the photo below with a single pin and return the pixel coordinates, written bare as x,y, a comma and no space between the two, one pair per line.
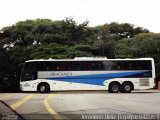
78,104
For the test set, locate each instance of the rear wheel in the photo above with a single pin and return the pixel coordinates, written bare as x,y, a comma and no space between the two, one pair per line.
43,88
114,87
126,88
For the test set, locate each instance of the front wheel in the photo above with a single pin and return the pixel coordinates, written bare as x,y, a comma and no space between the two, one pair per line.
114,87
43,88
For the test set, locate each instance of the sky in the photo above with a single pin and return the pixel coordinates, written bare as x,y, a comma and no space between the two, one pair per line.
143,13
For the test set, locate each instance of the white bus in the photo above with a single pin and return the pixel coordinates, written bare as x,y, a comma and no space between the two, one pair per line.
114,75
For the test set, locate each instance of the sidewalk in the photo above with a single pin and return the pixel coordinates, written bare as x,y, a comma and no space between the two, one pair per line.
6,113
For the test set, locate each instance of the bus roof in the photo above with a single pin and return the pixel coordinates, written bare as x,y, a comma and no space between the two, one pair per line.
87,59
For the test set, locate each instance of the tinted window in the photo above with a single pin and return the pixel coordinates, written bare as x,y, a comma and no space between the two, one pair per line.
109,65
127,65
78,66
61,66
44,66
32,67
29,72
94,65
144,65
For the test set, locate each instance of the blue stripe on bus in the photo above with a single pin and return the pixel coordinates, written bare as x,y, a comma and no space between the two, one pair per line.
95,79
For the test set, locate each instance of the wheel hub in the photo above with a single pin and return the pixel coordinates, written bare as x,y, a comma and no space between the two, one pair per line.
127,88
115,88
42,88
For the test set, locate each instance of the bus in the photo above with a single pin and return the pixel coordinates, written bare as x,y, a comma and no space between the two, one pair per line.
88,73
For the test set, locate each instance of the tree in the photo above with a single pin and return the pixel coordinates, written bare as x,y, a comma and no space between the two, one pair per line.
142,45
44,39
107,35
48,51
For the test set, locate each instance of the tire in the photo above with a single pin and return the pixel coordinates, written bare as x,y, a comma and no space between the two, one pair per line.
126,88
114,87
43,88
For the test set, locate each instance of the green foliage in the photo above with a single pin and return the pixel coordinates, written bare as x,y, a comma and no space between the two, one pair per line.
142,45
48,51
44,39
79,50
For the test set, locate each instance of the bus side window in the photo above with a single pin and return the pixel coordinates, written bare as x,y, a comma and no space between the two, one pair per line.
145,65
56,66
100,66
77,66
62,66
89,65
47,66
93,65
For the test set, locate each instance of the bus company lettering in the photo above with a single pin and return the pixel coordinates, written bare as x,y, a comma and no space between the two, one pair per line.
60,74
